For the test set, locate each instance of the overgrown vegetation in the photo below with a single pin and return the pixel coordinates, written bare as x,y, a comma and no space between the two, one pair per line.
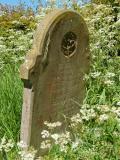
94,133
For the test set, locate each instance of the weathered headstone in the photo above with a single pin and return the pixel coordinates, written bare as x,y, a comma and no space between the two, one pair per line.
53,73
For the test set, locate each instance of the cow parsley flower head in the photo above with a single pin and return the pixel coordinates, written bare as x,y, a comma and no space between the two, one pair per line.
46,144
27,154
103,117
55,136
104,108
110,74
75,120
6,145
95,74
52,125
22,145
109,82
45,134
118,103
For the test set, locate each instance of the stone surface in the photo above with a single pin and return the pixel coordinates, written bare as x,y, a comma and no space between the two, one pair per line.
53,73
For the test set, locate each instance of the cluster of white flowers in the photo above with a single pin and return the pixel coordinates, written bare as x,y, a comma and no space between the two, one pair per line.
62,140
2,47
25,155
45,134
23,17
101,113
118,103
116,111
103,108
52,125
95,74
97,132
50,137
46,144
103,117
87,114
110,74
6,145
108,78
24,152
15,22
14,46
109,82
76,119
22,145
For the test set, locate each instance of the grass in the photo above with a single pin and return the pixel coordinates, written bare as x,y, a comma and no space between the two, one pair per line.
10,102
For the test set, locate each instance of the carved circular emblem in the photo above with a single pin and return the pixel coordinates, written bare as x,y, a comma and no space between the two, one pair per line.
69,44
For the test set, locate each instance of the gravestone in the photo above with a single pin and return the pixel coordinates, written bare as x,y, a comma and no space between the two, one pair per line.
53,73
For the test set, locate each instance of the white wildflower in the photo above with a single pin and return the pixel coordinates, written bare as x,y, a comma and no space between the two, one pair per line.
52,125
117,23
27,155
21,48
46,144
61,139
103,117
22,145
110,74
18,33
118,103
38,17
87,114
104,108
1,38
108,82
9,145
45,134
11,37
86,77
63,149
55,136
76,119
116,111
6,145
97,132
95,74
23,17
15,22
2,47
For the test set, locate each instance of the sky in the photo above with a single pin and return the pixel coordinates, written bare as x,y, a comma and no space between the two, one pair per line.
35,2
16,2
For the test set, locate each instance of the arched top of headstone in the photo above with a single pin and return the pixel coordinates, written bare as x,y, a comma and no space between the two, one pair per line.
73,26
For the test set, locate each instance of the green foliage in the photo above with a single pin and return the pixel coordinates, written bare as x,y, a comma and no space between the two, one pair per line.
16,18
98,134
111,2
10,102
103,80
